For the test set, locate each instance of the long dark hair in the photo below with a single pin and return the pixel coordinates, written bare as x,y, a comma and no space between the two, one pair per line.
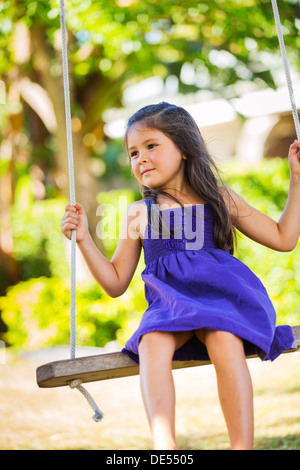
200,171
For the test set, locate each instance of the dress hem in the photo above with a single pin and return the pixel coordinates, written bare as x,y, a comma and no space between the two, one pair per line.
252,346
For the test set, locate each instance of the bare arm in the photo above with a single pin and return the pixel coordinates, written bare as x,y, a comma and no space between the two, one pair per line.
255,224
113,276
289,222
281,236
100,267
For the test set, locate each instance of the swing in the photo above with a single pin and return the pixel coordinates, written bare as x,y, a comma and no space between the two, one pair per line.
75,371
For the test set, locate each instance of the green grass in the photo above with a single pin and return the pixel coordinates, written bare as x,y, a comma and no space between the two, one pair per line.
50,419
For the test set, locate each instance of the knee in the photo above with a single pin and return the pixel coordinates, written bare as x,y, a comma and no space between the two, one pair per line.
148,339
156,342
151,340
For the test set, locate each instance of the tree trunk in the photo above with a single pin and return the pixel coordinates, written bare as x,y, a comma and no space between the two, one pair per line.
9,266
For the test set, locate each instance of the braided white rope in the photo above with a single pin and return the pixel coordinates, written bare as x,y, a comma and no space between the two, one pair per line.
76,383
71,169
286,68
98,414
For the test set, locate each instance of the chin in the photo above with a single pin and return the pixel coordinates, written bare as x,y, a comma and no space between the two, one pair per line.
152,186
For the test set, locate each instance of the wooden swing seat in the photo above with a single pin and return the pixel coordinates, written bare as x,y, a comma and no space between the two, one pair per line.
109,366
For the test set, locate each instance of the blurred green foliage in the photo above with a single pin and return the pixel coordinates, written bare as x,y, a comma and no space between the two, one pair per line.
37,313
155,37
38,244
36,310
114,204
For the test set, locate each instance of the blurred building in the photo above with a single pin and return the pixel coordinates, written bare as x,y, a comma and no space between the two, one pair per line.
257,124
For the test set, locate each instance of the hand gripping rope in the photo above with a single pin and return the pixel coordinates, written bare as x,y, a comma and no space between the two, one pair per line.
75,383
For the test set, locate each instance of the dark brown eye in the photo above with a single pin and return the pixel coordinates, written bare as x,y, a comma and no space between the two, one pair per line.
133,154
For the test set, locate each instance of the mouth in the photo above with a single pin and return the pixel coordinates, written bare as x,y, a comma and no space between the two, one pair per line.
148,171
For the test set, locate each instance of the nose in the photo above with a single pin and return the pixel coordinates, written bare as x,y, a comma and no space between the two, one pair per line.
142,157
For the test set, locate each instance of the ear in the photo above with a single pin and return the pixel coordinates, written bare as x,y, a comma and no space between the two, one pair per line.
183,156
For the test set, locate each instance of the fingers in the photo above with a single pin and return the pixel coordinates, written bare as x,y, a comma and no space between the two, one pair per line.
76,207
70,219
74,218
295,148
79,208
295,144
74,210
70,208
70,213
70,222
67,226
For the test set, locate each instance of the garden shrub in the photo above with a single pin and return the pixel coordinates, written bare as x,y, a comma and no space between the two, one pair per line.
37,313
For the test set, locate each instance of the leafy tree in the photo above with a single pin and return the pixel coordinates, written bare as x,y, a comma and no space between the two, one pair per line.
111,46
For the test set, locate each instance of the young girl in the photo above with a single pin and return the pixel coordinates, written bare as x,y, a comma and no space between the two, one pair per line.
203,303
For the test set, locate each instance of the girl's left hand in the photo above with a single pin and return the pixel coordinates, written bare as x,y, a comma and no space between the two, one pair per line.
294,158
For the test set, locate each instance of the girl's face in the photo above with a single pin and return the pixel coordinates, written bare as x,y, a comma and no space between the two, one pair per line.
155,160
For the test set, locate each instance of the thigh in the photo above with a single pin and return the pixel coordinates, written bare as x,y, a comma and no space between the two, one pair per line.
201,334
218,336
182,337
221,344
166,340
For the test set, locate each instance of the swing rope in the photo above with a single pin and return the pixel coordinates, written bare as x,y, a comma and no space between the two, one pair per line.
75,383
286,68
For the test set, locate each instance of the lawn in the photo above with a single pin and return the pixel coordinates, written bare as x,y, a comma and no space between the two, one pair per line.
49,419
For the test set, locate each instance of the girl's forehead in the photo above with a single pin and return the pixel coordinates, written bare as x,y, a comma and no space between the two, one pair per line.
140,132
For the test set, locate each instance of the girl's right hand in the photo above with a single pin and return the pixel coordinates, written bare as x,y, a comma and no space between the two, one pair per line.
75,219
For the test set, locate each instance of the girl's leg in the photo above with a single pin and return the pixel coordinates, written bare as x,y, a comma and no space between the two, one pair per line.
156,351
226,352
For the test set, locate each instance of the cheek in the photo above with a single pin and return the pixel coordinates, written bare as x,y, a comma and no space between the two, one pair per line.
135,169
155,159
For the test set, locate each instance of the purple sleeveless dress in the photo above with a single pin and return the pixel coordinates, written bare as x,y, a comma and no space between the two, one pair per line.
191,284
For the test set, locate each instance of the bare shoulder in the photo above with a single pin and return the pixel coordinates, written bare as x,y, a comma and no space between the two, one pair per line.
138,205
137,217
137,210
